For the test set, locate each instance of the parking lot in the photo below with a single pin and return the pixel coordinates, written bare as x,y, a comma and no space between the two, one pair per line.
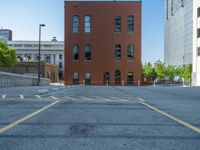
100,118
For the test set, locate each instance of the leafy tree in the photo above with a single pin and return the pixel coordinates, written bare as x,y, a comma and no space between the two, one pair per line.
187,72
7,55
179,71
170,73
148,71
160,69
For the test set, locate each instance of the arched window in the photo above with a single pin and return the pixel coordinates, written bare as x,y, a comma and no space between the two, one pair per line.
28,58
130,78
106,78
130,52
87,23
87,78
117,24
117,52
117,77
75,24
75,78
48,59
75,52
130,23
88,52
19,58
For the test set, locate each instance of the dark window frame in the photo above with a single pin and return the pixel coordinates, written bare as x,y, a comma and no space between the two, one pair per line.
88,80
118,77
130,80
106,78
130,23
75,80
75,24
130,51
117,24
87,24
198,51
75,54
88,52
198,33
198,12
118,52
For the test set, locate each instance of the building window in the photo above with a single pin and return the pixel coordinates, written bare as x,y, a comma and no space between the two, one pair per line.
19,58
27,58
117,24
60,56
88,52
198,12
76,52
48,59
106,78
75,78
60,64
130,53
130,23
117,77
87,78
182,3
75,24
87,24
130,78
198,33
198,51
117,52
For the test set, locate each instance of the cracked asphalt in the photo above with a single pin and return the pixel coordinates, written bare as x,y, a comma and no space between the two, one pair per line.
100,118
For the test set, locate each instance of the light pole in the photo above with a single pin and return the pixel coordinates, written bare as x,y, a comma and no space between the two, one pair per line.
39,58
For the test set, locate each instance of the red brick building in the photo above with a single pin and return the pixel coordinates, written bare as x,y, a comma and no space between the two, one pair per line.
102,42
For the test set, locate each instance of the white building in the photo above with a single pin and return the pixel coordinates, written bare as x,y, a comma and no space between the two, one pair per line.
51,51
182,35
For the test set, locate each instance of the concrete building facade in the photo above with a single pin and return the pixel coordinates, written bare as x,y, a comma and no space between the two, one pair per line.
181,35
103,42
52,52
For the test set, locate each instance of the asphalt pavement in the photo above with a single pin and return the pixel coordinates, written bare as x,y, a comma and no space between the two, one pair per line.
100,118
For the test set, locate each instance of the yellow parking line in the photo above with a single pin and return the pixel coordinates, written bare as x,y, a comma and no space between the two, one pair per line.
39,97
53,97
21,96
68,97
172,117
3,96
12,125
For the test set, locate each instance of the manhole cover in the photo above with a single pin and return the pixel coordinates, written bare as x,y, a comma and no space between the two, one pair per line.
82,129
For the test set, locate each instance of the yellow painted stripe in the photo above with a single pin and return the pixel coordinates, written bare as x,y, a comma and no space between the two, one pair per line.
21,96
12,125
86,98
70,98
141,99
53,97
173,118
39,97
3,96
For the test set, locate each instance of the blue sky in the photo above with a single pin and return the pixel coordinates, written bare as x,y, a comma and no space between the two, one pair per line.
24,16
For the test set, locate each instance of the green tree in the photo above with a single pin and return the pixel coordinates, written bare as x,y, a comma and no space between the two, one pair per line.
148,71
160,69
179,71
188,71
7,55
170,73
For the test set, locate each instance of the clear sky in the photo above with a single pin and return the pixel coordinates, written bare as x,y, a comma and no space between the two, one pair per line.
24,16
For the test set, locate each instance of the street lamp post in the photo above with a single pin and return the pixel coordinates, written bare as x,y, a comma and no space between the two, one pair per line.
39,58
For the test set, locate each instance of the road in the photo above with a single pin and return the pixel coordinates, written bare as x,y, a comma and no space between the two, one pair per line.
100,118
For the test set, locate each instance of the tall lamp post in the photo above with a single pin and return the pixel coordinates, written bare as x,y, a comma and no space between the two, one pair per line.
39,58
